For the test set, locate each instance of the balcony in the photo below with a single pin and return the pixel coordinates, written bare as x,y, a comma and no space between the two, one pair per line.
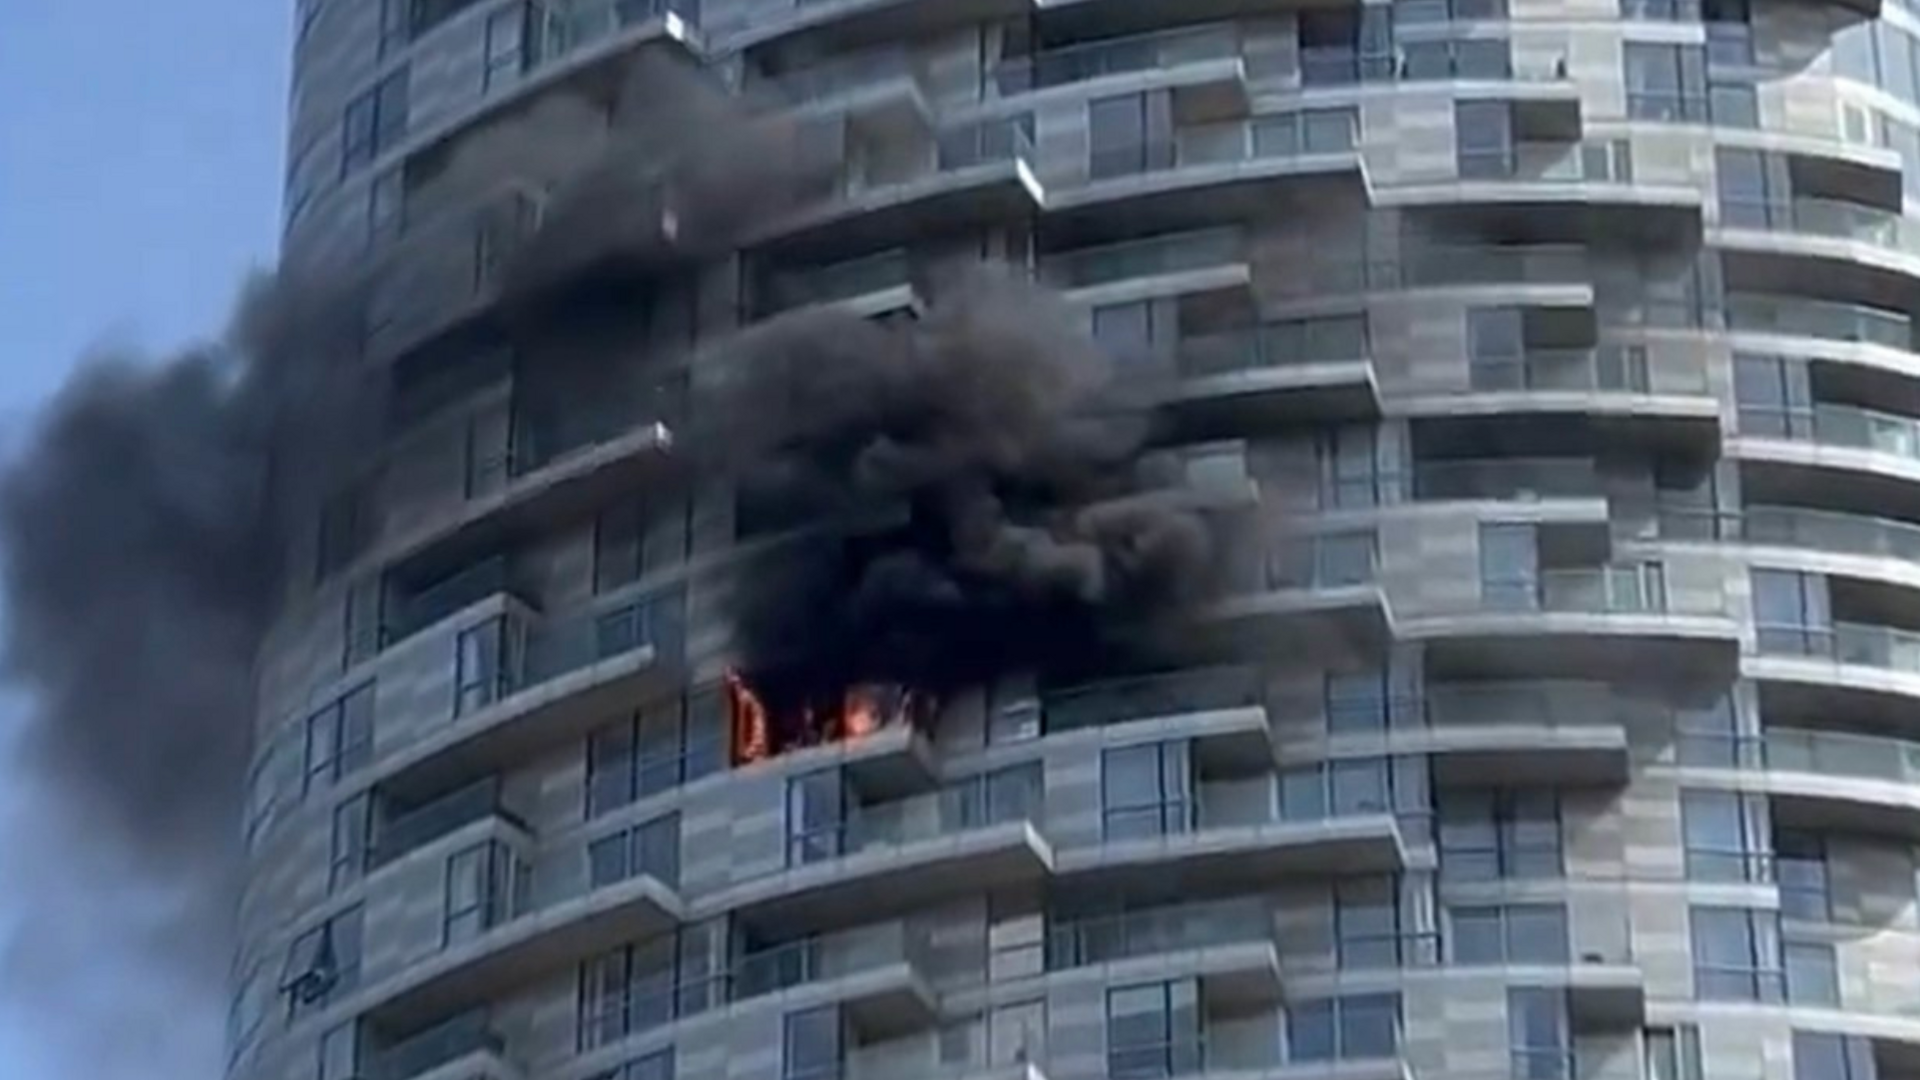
830,25
463,1048
1551,180
523,684
1209,262
1240,847
445,814
1201,65
1595,964
1621,392
539,921
1093,18
900,855
1823,247
1503,479
1318,594
875,974
465,490
1222,709
1843,781
1563,733
1801,317
883,94
1208,174
976,174
1887,549
448,272
872,286
1228,946
1592,620
1856,659
1241,381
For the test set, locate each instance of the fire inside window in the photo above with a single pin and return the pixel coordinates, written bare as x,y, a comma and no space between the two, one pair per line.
760,732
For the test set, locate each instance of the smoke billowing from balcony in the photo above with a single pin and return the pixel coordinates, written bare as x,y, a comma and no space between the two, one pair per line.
983,499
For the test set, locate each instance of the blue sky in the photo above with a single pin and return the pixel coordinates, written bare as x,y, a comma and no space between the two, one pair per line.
140,154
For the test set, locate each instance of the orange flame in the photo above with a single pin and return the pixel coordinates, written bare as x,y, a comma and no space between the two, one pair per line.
752,739
860,714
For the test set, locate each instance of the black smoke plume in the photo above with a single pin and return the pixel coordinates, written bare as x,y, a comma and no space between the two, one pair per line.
999,502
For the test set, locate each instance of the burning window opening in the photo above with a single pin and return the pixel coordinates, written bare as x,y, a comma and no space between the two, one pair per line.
846,715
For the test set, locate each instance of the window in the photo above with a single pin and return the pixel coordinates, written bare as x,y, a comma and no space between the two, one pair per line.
1753,189
506,37
374,123
323,964
1509,566
1673,1053
386,206
1800,863
1666,82
1329,131
816,817
1146,791
1329,560
639,987
1500,834
1426,12
1538,1034
1824,1056
1483,139
480,668
651,850
1728,837
1153,1030
1710,737
1355,469
1790,612
1356,704
1346,46
1367,923
1465,58
655,1066
1813,976
247,1012
1357,1028
659,748
631,541
396,24
351,826
1496,348
1661,10
346,528
340,1052
1357,786
480,882
1733,104
810,1044
1729,32
340,738
1774,397
1509,934
1131,133
1736,955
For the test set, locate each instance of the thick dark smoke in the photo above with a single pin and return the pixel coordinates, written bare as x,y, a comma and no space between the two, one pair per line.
1001,506
1010,513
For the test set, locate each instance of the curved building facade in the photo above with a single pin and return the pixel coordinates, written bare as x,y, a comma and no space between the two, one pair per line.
1572,732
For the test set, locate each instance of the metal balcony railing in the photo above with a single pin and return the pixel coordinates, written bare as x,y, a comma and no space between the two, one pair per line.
1119,700
1116,56
1148,932
1144,258
1867,429
975,804
1507,479
1825,530
1888,647
426,823
410,613
450,1040
1800,317
845,280
1610,368
823,958
1835,753
1605,589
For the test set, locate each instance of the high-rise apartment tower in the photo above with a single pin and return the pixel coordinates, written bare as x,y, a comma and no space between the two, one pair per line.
1579,735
